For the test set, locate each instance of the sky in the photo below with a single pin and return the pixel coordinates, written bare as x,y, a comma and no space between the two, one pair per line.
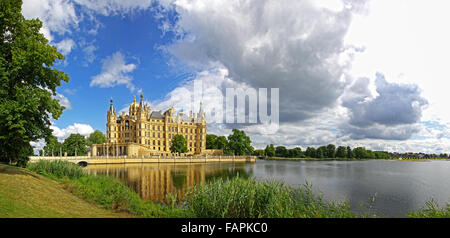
349,72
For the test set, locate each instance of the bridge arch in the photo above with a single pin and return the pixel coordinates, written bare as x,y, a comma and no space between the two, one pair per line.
82,163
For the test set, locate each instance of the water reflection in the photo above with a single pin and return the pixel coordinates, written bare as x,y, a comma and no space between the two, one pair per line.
399,186
153,181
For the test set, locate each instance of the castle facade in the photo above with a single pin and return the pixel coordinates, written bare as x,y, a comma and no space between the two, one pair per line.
146,132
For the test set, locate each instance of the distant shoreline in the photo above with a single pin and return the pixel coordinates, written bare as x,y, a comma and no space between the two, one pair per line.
348,159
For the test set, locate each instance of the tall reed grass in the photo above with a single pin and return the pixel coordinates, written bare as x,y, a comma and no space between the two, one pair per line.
249,198
57,169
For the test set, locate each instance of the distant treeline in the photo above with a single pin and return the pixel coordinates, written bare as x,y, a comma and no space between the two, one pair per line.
329,151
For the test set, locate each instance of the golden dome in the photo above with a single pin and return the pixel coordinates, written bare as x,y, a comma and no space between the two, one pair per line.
134,104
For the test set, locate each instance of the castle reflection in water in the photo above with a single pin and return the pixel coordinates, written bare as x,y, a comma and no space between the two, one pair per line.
154,181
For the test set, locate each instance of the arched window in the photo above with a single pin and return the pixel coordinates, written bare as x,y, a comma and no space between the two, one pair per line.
127,125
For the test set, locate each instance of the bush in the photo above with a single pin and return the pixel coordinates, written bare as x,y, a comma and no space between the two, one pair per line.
57,169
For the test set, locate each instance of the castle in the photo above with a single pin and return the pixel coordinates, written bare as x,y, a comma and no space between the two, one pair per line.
146,132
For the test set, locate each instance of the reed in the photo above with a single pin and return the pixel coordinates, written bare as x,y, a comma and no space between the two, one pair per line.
249,198
431,210
57,169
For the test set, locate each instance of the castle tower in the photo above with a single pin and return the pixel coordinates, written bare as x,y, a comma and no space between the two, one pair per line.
111,124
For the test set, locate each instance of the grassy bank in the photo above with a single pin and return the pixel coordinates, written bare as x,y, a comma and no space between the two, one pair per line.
24,194
105,191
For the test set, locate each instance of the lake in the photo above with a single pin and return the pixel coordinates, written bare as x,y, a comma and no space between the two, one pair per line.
398,186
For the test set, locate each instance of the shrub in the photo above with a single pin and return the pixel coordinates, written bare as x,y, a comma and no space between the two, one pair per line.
57,169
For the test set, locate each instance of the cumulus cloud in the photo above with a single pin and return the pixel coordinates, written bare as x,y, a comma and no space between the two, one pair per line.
295,46
114,72
57,15
391,114
65,46
76,128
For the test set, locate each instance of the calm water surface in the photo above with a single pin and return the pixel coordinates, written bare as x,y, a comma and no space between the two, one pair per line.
398,186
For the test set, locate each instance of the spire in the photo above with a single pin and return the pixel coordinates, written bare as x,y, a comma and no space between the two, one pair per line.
142,100
134,98
111,107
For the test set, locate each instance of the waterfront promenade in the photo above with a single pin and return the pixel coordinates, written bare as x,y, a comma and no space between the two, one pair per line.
85,160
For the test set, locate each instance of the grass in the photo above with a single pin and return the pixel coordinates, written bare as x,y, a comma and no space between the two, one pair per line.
431,210
24,194
102,190
249,198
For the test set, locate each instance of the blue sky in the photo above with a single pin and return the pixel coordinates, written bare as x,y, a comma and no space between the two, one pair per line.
359,73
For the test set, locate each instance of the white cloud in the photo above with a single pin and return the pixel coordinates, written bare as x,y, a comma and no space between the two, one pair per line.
114,72
111,7
63,101
57,15
65,46
89,53
76,128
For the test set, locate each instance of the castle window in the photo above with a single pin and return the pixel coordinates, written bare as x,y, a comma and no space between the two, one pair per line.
127,125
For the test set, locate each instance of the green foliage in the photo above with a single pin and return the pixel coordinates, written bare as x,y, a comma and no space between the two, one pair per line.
75,143
27,83
96,137
179,144
259,153
281,151
310,152
239,143
249,198
431,210
211,142
270,150
349,152
295,153
331,151
53,146
321,152
341,152
56,169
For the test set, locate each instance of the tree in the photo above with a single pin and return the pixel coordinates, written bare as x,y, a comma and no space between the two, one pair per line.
179,144
239,143
341,152
295,152
321,152
281,151
27,83
359,153
270,150
53,147
259,153
221,143
331,151
75,143
349,152
310,152
211,142
96,137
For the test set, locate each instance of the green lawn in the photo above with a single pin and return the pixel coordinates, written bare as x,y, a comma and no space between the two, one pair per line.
24,194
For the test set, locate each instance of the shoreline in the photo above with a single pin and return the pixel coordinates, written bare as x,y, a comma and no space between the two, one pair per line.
351,159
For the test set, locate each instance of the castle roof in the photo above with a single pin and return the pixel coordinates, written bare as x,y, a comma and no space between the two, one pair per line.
156,114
